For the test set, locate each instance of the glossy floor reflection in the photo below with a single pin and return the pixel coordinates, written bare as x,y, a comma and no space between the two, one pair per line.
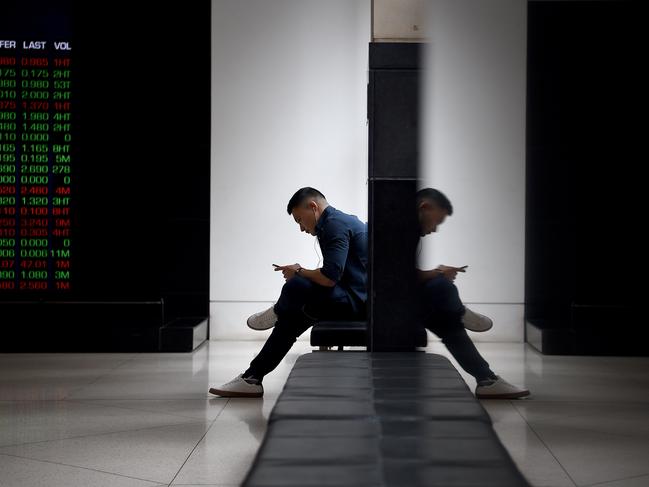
147,419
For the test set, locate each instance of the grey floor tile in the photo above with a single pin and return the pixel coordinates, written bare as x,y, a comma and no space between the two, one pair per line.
34,421
21,472
529,453
39,377
642,481
620,418
225,454
154,454
591,457
201,409
141,419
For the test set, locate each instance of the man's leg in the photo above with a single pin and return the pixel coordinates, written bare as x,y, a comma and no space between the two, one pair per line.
489,385
277,345
439,295
442,312
297,293
456,340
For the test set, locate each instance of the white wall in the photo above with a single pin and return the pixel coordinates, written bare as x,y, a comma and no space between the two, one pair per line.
398,20
288,110
475,152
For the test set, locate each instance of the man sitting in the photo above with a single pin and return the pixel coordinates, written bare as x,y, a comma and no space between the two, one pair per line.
443,313
337,290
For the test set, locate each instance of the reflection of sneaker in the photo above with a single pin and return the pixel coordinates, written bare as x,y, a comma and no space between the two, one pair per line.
475,321
263,320
499,388
239,387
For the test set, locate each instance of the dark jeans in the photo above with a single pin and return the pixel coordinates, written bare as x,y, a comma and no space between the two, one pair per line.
441,312
300,303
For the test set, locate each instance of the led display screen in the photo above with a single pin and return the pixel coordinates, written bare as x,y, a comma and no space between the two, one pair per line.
37,163
104,150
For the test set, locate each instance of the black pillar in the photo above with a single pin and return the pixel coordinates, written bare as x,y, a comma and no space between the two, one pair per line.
393,114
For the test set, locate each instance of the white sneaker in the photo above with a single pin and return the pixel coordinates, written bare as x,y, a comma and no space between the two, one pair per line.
263,320
499,388
475,321
238,387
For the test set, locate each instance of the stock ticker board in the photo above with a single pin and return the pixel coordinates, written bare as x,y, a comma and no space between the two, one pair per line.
91,143
37,163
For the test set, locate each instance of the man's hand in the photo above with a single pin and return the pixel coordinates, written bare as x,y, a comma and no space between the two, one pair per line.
449,272
315,275
288,271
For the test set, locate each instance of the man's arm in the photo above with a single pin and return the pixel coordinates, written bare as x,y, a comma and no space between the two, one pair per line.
423,276
334,257
316,276
335,247
290,271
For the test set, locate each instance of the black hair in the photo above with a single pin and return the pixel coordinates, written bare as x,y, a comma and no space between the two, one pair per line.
302,194
436,197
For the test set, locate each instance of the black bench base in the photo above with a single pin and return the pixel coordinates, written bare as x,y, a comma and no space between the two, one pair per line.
380,419
348,334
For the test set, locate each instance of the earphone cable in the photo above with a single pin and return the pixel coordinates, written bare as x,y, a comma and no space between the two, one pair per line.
316,244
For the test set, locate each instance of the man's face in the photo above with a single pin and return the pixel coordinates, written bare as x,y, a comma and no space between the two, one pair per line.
430,216
305,216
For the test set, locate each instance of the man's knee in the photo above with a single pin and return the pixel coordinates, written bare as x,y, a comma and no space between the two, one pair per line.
445,324
287,329
297,286
290,330
439,285
442,293
295,293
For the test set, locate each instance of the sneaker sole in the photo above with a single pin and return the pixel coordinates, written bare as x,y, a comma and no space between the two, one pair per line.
479,330
218,392
511,395
259,329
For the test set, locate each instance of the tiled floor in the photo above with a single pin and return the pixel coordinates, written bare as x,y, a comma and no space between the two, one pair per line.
137,420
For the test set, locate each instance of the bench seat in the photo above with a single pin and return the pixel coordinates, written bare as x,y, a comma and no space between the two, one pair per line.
379,419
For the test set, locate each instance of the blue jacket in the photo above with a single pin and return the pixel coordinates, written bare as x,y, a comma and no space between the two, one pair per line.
343,240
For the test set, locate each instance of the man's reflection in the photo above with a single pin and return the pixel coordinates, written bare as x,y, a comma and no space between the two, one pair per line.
444,314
